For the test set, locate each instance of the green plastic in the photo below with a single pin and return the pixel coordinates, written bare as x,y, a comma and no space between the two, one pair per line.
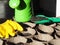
22,14
42,22
48,20
54,19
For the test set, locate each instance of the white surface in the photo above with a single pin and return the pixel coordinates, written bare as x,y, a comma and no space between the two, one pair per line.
2,13
57,8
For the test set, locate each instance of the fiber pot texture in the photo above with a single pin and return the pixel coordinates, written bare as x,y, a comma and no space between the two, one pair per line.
34,34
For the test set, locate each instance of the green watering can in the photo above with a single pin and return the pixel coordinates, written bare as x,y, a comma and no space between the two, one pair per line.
22,10
41,19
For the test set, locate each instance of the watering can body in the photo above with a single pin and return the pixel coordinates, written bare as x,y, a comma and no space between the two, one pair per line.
22,10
